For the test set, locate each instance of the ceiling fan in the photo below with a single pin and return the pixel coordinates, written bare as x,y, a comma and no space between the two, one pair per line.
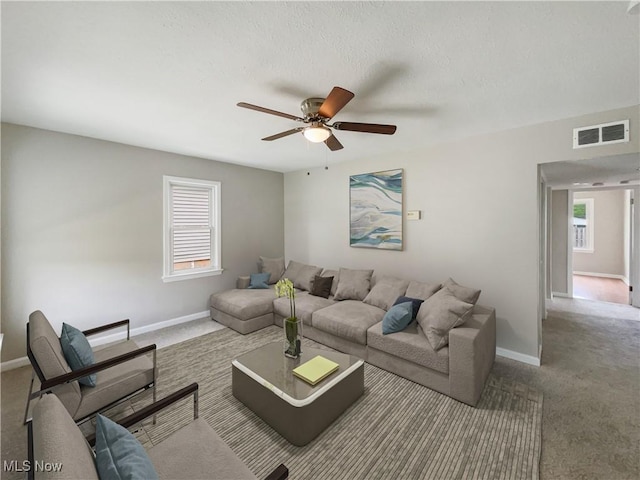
317,114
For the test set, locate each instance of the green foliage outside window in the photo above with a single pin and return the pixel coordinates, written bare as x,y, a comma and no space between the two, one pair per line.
580,210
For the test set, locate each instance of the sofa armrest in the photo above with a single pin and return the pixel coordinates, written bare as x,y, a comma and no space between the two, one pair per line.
243,282
472,351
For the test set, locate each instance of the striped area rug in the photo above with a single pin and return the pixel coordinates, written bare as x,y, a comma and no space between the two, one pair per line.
396,430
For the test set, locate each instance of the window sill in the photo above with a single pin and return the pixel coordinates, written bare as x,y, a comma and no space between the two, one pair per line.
583,250
176,277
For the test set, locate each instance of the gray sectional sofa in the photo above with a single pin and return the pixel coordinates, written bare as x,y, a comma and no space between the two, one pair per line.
350,321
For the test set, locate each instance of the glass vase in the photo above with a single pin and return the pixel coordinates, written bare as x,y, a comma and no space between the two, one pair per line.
292,337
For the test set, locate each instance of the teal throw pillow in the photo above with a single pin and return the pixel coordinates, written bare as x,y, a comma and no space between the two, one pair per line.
259,280
415,305
397,318
77,352
119,455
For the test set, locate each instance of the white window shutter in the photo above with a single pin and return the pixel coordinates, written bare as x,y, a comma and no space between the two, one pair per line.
191,226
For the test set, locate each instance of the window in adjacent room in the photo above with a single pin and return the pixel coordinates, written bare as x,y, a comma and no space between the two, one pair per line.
583,225
191,228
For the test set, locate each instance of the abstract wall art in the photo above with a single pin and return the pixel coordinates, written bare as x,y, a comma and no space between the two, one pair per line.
376,210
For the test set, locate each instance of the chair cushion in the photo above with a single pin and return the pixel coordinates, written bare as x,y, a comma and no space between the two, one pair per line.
439,314
196,451
259,280
116,382
274,266
56,438
244,304
348,319
77,351
306,304
397,318
410,344
47,351
385,291
119,455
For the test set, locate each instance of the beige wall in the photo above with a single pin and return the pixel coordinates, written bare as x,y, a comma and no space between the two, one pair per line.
479,203
559,241
82,231
608,234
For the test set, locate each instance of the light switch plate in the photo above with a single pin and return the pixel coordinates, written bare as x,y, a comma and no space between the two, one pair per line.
413,215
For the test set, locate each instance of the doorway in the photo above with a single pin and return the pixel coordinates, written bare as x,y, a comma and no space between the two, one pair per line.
600,242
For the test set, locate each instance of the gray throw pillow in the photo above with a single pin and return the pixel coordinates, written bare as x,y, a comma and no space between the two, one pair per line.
77,351
304,278
353,284
274,266
422,290
466,294
386,291
293,270
439,314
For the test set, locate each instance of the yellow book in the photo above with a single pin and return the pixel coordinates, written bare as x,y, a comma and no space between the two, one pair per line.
316,369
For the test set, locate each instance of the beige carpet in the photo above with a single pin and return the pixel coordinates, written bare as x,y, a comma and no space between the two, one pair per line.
398,429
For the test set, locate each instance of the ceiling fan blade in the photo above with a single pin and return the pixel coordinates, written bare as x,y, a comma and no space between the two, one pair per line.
283,134
365,127
337,99
333,143
268,110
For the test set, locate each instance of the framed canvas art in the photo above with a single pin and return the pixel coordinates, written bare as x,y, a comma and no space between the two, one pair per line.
376,210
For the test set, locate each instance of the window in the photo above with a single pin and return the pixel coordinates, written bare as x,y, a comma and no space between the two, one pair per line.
583,225
191,228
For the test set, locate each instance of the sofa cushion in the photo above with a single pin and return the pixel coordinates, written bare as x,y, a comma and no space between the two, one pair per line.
293,270
415,305
306,304
78,352
397,318
422,290
410,344
385,292
466,294
439,314
274,266
335,274
244,304
349,319
119,454
321,286
304,278
259,280
353,284
196,451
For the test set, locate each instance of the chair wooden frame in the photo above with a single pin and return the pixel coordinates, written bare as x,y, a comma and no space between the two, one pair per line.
281,472
46,385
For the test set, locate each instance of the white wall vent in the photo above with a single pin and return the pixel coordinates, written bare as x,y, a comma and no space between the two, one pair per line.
603,134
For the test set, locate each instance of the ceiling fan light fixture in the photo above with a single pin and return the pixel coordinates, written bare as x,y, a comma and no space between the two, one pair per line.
316,133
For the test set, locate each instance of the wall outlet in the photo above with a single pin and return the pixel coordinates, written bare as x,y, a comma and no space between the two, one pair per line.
413,215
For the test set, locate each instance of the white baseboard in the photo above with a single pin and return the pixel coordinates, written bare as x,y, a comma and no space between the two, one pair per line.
561,295
603,275
520,357
114,337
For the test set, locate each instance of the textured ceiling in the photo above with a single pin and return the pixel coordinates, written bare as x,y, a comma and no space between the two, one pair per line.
167,75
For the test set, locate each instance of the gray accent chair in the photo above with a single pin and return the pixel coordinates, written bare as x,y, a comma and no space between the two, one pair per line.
122,370
193,451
